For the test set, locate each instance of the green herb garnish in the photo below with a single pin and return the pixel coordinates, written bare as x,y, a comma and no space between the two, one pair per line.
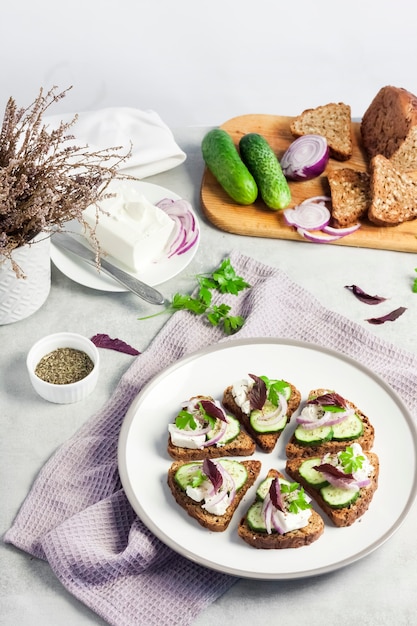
225,280
414,288
350,462
274,388
184,420
197,479
296,498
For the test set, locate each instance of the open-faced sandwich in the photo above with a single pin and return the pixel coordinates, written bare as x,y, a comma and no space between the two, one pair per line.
211,490
202,429
327,423
263,406
281,516
342,483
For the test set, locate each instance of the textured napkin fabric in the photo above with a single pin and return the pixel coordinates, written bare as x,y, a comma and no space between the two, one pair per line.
77,516
154,149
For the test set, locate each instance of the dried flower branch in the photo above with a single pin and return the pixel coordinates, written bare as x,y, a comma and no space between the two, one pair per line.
46,180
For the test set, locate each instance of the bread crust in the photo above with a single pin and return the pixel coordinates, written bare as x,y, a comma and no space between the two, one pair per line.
274,541
294,449
215,523
347,515
265,441
243,445
333,121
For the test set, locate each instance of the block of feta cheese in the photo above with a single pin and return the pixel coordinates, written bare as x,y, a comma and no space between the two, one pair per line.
132,230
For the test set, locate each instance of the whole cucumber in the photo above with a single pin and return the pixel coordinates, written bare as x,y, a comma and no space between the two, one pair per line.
262,162
222,159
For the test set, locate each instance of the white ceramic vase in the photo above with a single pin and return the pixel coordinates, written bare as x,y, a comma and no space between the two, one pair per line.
20,297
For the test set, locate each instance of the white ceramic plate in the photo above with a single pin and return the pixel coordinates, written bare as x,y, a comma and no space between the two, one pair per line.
154,274
144,462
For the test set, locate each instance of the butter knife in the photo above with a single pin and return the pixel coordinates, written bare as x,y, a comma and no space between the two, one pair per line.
141,289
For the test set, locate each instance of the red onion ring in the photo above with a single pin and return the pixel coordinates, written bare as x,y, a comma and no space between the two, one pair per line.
185,233
328,419
306,158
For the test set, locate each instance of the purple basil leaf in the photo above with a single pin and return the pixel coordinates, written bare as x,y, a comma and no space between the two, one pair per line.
102,340
328,468
329,399
213,473
276,496
389,317
213,410
257,395
364,297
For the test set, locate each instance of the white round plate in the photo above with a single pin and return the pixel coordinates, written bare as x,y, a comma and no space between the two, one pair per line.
144,462
154,274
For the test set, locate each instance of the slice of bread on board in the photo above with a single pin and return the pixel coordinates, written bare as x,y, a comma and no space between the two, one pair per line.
332,121
265,441
292,539
350,194
344,516
393,194
215,523
294,449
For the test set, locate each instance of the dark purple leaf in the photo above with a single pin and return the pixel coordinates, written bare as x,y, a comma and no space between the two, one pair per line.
364,297
213,410
257,395
275,493
329,399
104,341
213,473
330,469
389,317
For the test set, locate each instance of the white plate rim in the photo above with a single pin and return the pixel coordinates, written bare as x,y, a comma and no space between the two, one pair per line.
254,572
79,271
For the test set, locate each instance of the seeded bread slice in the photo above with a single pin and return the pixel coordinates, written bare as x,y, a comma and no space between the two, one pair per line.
389,127
350,194
294,449
243,445
274,541
215,523
266,441
332,121
347,515
393,194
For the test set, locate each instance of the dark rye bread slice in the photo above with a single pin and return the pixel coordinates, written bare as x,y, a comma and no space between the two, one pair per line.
243,445
393,194
266,441
347,515
350,194
389,127
293,539
294,449
332,121
215,523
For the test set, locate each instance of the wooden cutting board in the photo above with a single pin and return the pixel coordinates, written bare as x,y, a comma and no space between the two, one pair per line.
257,220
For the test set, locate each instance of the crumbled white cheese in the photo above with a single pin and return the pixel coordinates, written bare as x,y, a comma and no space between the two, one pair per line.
178,438
135,232
240,390
202,492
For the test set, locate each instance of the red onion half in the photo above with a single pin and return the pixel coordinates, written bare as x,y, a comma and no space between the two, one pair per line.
186,232
306,158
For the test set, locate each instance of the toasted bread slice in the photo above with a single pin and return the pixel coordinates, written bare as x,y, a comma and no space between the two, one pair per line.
275,541
350,194
393,194
332,121
215,523
345,516
243,445
294,449
265,441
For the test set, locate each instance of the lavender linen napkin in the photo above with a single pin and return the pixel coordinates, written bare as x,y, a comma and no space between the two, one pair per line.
77,516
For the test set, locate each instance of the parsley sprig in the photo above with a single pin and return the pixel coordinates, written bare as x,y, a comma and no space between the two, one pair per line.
224,280
295,497
351,463
414,287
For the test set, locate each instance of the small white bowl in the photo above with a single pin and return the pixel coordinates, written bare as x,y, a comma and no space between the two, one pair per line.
66,393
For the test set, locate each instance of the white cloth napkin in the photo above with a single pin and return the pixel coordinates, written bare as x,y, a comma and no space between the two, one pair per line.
154,148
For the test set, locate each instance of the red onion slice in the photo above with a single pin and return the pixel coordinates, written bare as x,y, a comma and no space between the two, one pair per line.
186,232
328,419
306,158
308,216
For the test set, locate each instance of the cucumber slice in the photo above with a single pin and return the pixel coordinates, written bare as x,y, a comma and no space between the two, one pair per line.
311,476
189,473
349,428
265,485
255,519
259,419
232,431
338,498
312,436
